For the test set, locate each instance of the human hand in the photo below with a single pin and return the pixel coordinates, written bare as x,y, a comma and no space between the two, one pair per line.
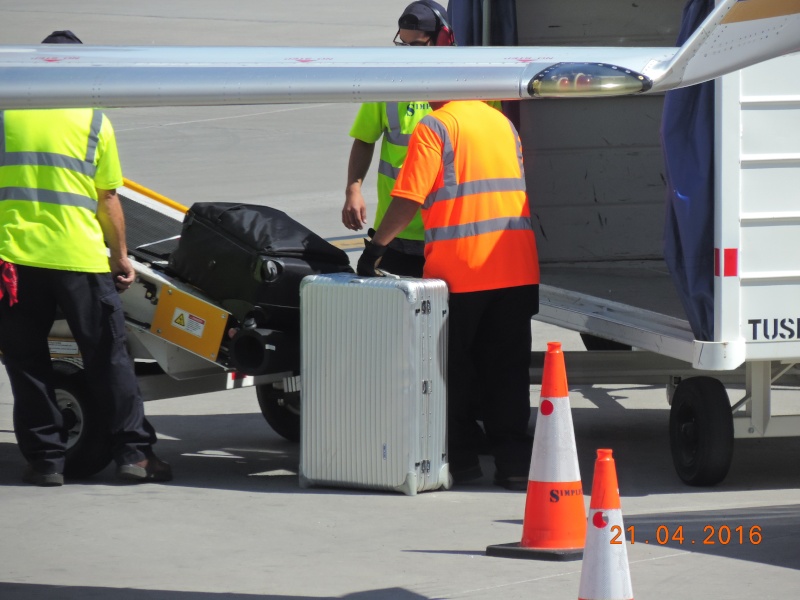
370,259
123,273
354,212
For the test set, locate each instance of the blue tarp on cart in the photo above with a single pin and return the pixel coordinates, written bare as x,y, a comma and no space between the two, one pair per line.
687,138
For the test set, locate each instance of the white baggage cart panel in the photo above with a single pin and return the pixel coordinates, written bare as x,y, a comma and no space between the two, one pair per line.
597,198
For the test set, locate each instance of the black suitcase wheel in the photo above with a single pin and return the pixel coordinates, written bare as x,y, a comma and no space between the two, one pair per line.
701,431
87,423
281,410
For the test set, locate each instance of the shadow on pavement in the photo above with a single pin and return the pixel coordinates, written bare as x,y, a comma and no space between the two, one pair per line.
241,452
20,591
765,535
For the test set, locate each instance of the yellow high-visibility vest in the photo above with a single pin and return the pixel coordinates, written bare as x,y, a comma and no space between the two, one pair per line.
51,162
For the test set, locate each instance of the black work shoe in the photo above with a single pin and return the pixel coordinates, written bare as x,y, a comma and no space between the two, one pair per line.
34,477
151,469
465,475
515,483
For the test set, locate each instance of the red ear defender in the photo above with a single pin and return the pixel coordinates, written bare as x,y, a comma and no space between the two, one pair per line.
445,37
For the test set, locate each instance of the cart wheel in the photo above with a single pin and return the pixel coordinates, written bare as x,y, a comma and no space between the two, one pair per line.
87,423
592,342
701,431
281,410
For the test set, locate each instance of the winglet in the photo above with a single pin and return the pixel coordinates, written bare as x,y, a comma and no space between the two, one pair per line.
737,34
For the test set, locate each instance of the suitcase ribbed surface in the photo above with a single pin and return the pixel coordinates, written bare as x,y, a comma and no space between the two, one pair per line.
373,382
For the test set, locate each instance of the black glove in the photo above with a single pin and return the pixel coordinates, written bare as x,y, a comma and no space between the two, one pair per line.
370,259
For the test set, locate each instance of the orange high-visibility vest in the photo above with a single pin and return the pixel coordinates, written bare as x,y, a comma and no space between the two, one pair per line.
464,166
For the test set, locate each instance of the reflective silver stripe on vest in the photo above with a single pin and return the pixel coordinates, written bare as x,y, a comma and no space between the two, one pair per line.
47,159
54,159
48,197
451,188
454,232
386,168
94,135
394,135
512,184
450,184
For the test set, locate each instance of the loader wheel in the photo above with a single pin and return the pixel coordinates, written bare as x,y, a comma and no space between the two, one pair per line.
281,410
87,423
701,431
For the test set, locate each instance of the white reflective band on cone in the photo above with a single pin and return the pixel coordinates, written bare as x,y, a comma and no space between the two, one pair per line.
605,574
554,453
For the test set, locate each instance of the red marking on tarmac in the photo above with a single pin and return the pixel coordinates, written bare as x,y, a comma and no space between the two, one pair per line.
546,408
599,520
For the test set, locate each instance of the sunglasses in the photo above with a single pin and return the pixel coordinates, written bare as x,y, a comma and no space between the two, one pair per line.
399,42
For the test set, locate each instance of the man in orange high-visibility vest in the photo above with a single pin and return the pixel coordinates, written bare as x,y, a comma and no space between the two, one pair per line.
464,172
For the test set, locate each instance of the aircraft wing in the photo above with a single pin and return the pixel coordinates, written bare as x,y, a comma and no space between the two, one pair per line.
736,34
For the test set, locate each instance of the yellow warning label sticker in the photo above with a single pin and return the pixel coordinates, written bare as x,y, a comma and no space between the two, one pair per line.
186,321
63,348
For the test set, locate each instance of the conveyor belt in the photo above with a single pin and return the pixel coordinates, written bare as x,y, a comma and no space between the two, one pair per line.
151,234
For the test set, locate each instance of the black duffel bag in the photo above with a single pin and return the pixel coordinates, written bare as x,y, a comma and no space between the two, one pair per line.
251,260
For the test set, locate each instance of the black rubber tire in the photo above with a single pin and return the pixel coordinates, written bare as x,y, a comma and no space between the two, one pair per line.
592,342
281,410
87,421
701,431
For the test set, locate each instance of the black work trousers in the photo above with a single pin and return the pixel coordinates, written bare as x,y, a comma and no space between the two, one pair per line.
92,308
489,355
400,263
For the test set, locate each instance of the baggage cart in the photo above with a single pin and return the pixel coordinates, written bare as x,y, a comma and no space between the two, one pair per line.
596,182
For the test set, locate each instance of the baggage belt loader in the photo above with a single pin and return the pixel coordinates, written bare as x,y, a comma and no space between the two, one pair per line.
182,341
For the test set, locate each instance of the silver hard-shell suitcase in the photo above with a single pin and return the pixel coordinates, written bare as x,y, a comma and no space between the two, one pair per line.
373,369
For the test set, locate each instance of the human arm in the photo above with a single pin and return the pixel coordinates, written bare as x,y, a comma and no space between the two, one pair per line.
414,183
354,212
397,218
112,222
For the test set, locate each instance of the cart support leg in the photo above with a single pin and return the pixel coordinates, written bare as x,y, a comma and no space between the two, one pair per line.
759,388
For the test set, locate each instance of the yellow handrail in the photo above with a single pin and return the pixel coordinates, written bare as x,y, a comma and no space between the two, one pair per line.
154,195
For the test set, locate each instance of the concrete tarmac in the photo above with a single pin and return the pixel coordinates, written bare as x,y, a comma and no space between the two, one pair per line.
235,524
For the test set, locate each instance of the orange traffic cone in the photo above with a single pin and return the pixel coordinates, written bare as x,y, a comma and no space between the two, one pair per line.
554,525
604,573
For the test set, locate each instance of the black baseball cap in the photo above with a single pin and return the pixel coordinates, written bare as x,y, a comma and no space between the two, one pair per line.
62,37
419,16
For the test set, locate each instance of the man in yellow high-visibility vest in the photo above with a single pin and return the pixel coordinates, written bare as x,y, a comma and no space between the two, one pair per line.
59,170
423,23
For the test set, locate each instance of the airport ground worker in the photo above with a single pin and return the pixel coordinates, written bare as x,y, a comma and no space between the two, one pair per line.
59,170
464,171
421,24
